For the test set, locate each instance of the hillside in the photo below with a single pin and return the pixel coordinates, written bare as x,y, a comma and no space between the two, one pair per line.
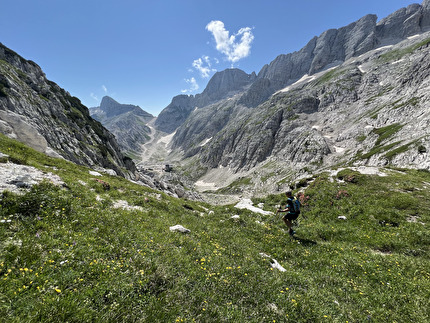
41,114
101,250
344,121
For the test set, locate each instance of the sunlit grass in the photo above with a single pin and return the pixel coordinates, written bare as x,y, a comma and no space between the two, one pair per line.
68,255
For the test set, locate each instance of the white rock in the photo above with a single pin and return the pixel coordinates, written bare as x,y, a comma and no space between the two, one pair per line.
235,217
94,173
276,265
121,204
341,217
247,204
179,228
111,172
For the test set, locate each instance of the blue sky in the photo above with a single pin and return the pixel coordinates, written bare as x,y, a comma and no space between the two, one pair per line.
145,52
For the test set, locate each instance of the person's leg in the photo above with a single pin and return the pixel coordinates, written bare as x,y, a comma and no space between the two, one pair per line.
289,224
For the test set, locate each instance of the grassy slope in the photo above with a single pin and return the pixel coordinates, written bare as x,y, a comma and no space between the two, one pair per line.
67,256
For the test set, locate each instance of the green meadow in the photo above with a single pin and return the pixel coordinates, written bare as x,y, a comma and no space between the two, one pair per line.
67,254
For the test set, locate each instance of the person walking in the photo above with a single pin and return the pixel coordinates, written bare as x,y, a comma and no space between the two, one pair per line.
292,211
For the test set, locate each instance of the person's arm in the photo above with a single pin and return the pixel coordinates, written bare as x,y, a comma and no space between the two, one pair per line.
284,210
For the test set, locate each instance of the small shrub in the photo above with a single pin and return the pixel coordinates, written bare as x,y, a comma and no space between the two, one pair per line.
422,149
349,176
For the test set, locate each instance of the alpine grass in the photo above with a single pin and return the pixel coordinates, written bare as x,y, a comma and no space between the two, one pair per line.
68,254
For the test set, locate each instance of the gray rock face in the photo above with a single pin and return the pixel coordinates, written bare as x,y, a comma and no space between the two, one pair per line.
370,110
348,95
222,85
33,108
334,46
127,122
175,113
225,84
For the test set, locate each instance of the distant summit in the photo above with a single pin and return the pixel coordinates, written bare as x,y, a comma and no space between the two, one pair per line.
126,121
110,108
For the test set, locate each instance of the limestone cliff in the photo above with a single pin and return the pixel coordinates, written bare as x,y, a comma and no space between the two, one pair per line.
46,117
221,86
358,95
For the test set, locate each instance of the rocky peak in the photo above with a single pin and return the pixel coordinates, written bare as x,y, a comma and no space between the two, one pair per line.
221,86
335,46
403,23
175,113
227,82
110,108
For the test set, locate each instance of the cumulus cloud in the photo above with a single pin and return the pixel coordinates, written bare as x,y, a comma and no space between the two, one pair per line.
204,66
234,47
193,85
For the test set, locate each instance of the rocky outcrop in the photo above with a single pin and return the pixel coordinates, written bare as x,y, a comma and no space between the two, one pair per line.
221,86
175,113
43,115
127,122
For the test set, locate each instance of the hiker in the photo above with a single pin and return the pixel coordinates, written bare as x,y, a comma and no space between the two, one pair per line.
292,210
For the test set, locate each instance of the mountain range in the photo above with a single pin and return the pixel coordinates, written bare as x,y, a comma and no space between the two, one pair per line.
355,95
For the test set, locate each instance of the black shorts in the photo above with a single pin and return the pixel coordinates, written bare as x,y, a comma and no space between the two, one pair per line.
291,216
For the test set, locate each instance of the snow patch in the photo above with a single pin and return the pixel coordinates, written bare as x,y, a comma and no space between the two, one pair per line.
205,142
205,185
305,79
414,36
339,149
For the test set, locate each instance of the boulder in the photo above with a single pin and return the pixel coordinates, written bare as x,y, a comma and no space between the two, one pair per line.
179,228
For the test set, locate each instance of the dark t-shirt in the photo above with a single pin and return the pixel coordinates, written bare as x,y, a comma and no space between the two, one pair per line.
290,205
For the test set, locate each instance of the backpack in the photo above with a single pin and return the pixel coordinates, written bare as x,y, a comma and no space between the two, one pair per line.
296,206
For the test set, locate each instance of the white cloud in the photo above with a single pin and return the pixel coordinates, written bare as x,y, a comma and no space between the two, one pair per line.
94,97
233,48
204,66
193,85
104,89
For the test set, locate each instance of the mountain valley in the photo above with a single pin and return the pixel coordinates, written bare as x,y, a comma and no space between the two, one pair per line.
110,214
